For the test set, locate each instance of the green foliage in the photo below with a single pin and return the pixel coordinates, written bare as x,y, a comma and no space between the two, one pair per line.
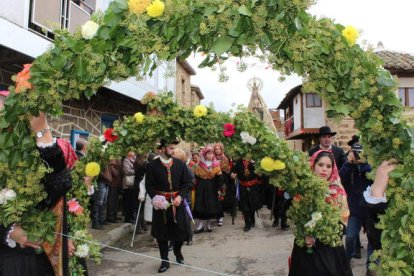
351,80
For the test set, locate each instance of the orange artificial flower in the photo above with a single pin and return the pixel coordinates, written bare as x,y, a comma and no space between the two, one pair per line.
297,198
22,79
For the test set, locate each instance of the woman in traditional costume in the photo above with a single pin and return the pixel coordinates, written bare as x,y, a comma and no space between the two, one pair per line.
225,169
324,259
209,180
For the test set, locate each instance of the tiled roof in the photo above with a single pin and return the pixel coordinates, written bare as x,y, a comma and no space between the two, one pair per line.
395,61
289,96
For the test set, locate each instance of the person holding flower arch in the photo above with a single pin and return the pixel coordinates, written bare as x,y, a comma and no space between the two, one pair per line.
18,254
324,259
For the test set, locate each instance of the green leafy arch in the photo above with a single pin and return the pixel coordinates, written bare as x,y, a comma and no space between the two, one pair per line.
133,36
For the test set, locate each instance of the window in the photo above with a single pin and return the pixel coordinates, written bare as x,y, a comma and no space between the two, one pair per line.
107,121
406,95
75,134
313,100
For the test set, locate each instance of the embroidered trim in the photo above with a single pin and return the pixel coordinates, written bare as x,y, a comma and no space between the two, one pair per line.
46,145
373,200
10,242
165,161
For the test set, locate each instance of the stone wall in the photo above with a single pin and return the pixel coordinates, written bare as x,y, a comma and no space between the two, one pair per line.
86,115
183,87
345,130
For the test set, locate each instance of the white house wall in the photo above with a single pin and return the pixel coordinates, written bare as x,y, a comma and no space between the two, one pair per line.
314,117
15,35
405,82
297,113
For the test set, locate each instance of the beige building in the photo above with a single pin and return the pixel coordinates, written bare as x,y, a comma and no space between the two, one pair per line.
186,94
305,113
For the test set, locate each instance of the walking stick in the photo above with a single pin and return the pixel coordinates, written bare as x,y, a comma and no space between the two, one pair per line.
235,200
136,223
273,204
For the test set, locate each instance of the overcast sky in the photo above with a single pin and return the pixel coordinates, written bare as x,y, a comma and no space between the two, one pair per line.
390,22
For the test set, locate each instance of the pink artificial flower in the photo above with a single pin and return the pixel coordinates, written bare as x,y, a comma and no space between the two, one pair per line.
74,207
160,202
229,130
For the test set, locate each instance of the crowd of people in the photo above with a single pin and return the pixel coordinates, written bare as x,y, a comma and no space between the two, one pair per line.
173,186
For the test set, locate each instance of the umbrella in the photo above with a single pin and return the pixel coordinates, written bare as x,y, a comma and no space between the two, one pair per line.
187,208
237,190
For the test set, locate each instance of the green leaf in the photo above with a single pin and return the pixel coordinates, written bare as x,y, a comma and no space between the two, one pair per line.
118,6
243,10
397,173
330,88
298,68
209,11
298,23
222,44
385,79
404,220
80,68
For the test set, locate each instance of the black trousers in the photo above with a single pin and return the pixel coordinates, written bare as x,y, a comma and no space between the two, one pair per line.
112,203
249,219
163,247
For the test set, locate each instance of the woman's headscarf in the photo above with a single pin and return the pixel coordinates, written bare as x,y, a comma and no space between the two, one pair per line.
220,156
204,162
334,176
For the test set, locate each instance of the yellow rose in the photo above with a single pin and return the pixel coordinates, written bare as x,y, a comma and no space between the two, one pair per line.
351,34
268,164
139,117
200,111
156,8
92,169
279,165
138,6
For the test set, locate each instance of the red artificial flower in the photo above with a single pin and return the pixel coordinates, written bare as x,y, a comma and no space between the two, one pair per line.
109,136
22,79
229,130
297,198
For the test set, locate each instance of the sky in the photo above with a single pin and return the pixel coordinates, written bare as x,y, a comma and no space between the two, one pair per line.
389,22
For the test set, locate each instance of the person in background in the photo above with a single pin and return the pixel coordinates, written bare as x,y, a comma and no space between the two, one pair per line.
195,157
354,179
81,148
225,169
139,166
128,177
115,185
325,143
100,200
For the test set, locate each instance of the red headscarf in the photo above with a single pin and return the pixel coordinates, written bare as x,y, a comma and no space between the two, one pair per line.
68,152
334,176
203,160
220,156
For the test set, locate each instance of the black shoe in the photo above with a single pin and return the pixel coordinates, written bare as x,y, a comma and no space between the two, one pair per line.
180,261
198,231
284,226
189,242
97,226
253,225
275,223
164,267
209,230
246,228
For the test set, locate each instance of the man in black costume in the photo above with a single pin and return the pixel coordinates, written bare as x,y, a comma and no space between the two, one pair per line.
325,135
249,191
168,177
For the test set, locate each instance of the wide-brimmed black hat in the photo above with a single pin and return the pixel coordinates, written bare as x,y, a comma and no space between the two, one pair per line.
325,130
355,139
164,142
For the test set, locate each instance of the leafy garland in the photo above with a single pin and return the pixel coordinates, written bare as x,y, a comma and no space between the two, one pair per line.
133,36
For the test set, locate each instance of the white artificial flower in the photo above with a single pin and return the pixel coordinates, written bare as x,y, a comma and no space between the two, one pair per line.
104,147
244,135
251,140
316,216
9,194
82,251
2,198
102,138
310,224
89,29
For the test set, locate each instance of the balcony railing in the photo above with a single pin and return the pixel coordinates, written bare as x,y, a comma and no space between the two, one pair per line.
288,125
49,15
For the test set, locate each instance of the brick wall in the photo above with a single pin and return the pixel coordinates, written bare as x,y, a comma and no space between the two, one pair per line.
345,130
86,115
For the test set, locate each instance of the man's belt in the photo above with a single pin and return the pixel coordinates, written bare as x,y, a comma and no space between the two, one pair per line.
168,195
248,183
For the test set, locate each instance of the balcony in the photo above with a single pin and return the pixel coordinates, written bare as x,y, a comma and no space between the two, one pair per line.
47,16
288,126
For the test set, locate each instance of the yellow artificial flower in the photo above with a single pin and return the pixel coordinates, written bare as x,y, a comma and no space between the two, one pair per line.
351,34
156,8
138,6
139,117
92,169
279,165
268,164
200,111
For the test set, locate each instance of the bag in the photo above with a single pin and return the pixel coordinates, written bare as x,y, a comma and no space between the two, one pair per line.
128,181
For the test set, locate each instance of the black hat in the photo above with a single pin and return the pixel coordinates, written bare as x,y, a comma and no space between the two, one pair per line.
356,147
325,130
355,139
163,143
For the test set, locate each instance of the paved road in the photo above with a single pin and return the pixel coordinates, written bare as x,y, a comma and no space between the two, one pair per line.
262,251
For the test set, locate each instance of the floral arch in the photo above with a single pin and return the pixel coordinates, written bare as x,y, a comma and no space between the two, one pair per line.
133,36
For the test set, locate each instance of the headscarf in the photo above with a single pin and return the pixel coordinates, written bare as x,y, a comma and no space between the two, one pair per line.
208,164
4,93
221,156
334,176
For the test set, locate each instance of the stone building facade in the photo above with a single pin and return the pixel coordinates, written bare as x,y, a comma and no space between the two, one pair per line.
185,93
